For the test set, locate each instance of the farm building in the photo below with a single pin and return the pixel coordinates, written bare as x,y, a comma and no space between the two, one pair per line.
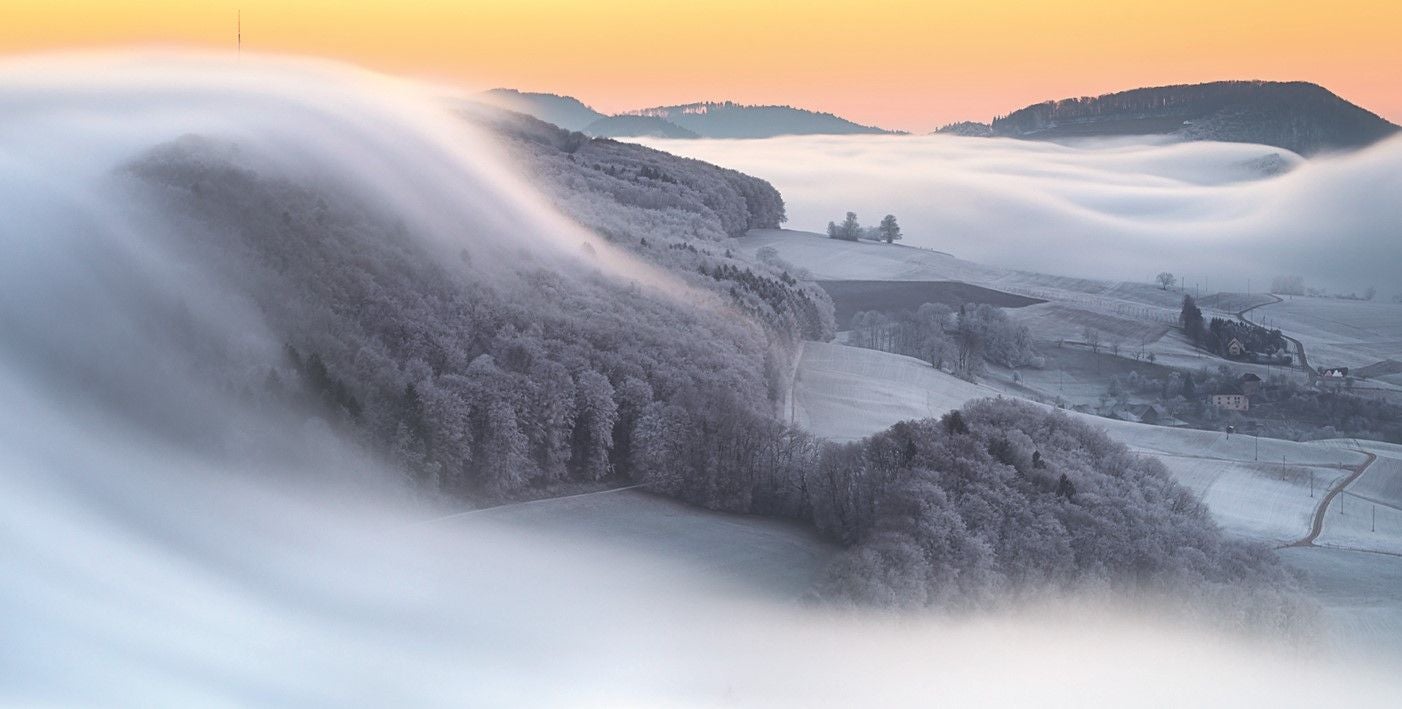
1231,400
1250,384
1334,377
1235,348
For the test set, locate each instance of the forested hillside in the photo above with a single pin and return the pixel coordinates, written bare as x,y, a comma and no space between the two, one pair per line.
1298,116
480,367
489,368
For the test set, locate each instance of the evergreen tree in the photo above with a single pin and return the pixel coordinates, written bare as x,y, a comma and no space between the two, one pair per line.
890,230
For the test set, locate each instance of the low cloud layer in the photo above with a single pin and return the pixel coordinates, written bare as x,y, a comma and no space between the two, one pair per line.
1123,209
145,564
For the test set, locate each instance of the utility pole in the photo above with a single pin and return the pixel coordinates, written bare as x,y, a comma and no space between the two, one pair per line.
1375,517
238,36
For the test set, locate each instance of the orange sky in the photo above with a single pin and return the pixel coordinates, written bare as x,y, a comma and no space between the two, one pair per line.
899,64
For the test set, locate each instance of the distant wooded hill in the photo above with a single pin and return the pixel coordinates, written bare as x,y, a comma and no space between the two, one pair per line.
1296,115
695,120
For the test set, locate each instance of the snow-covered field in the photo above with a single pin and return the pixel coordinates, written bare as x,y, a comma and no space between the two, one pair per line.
1265,501
1361,595
844,393
1131,314
1339,333
1368,515
747,553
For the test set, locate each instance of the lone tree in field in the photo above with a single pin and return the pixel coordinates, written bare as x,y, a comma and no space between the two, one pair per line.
1166,280
889,229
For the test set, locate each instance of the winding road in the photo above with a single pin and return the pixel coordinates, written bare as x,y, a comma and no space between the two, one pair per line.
1317,526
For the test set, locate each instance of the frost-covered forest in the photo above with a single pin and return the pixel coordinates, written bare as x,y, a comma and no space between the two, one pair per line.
1005,498
486,373
489,372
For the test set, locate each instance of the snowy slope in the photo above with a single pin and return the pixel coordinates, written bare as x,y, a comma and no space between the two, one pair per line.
752,554
1361,595
844,393
1339,333
1255,488
1368,515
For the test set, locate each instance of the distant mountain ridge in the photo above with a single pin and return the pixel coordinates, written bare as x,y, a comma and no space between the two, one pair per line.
566,112
627,126
727,119
1298,116
720,119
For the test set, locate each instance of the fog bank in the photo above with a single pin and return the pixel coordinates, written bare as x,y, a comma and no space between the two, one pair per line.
1125,209
162,544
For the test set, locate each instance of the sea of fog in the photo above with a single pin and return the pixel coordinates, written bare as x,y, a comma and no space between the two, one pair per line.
1216,214
165,543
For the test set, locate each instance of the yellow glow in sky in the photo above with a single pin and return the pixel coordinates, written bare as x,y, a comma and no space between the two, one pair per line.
894,63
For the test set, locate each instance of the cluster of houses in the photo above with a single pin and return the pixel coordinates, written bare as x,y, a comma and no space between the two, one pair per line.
1238,396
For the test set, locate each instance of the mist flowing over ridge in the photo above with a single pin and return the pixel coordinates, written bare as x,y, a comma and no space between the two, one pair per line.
250,309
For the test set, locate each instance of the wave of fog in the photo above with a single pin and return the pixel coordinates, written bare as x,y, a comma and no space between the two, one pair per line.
1120,209
158,548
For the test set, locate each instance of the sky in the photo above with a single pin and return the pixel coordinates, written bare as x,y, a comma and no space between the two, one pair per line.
911,65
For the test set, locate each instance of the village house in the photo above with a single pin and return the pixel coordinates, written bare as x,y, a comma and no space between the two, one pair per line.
1333,377
1235,348
1231,400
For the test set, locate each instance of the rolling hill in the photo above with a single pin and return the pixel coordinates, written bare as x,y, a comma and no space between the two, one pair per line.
694,120
1298,116
637,127
564,111
733,120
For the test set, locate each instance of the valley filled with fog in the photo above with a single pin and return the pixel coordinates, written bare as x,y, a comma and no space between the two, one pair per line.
1214,213
322,389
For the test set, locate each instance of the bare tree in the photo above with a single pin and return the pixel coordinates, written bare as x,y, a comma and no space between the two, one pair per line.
1092,338
1166,280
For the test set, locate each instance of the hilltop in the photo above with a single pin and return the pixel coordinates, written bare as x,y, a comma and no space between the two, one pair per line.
732,120
1298,116
564,111
723,119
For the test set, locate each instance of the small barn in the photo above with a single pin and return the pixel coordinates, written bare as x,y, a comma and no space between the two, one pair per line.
1250,384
